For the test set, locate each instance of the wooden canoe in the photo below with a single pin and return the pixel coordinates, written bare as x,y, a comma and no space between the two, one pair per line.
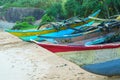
59,33
97,31
102,59
97,59
21,33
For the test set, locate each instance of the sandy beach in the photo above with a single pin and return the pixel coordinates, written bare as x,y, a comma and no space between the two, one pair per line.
27,61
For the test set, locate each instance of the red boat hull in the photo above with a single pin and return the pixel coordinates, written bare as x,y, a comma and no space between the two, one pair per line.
64,48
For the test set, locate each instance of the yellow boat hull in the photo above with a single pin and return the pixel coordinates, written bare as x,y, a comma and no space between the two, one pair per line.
39,32
23,33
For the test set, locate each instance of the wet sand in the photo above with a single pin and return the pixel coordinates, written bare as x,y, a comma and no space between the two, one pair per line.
27,61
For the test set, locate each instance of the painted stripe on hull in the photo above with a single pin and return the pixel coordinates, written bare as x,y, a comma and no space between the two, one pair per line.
71,35
64,48
109,68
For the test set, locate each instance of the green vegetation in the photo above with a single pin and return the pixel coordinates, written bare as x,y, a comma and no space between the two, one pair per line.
46,18
29,19
68,8
62,9
25,23
23,26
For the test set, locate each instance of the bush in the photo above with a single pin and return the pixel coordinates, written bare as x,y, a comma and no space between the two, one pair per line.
46,19
29,19
22,25
25,23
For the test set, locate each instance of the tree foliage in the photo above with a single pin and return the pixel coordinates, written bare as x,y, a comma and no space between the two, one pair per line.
61,9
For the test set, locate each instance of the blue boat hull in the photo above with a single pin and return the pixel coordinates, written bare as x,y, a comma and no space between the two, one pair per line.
108,68
59,33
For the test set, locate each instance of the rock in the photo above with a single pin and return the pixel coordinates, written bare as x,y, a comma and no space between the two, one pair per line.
16,14
2,13
5,25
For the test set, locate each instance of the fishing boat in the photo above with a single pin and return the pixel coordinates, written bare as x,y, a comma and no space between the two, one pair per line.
59,33
23,33
103,59
91,32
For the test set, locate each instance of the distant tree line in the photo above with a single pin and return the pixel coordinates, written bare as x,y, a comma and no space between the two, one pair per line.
63,9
